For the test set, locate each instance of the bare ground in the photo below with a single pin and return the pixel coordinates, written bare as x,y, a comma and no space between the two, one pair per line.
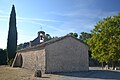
9,73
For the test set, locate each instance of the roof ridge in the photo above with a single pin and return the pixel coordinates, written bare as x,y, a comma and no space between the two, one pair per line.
51,41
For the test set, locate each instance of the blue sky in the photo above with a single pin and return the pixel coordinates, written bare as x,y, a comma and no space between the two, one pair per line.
56,17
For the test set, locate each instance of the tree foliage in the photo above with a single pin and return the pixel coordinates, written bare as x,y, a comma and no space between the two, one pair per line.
48,37
105,41
3,57
73,34
12,35
20,46
84,36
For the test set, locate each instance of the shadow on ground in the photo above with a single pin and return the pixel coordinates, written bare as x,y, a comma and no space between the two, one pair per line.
44,77
99,74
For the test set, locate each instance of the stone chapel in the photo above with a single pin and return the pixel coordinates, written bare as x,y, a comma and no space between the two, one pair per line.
63,54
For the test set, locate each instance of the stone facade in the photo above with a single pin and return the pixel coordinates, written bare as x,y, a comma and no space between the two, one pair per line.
31,59
64,54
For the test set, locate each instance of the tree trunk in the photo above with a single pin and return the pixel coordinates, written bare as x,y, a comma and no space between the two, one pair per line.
113,65
102,65
108,66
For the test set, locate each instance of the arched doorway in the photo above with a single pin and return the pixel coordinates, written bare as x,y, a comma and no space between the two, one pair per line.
18,61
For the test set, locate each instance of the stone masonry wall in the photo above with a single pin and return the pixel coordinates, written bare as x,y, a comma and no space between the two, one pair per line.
67,55
34,59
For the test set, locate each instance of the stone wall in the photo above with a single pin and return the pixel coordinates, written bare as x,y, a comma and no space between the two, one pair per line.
66,55
33,59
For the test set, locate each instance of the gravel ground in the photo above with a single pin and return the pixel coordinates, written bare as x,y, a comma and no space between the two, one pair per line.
95,73
8,73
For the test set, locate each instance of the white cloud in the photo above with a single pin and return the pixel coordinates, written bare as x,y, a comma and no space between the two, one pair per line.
33,21
30,19
3,12
74,24
22,36
85,13
40,24
4,17
82,19
37,19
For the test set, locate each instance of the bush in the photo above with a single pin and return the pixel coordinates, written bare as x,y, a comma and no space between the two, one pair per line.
3,57
9,62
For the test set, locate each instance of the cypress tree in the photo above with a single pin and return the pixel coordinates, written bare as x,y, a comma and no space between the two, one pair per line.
12,36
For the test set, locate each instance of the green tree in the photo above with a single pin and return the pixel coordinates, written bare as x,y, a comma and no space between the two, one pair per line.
105,41
85,36
12,36
20,46
73,34
3,57
55,37
48,37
